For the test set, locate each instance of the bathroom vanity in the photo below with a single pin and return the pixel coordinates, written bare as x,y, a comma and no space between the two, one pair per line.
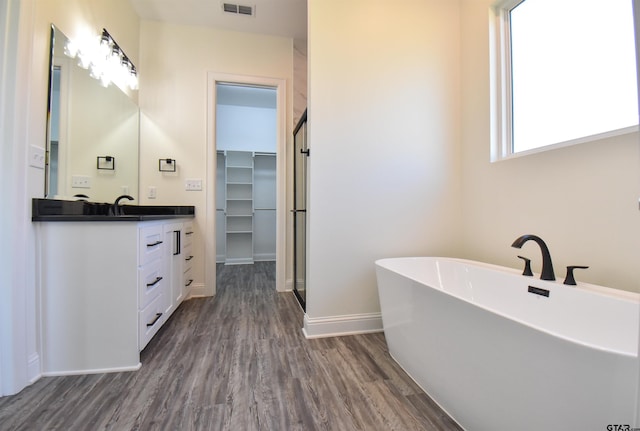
109,283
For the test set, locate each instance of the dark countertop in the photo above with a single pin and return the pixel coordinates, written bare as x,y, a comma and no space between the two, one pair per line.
108,218
49,210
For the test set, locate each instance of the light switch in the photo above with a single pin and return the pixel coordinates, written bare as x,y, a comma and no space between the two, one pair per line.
152,192
81,181
193,184
36,156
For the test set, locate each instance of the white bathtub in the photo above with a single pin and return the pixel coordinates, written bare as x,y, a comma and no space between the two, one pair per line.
496,357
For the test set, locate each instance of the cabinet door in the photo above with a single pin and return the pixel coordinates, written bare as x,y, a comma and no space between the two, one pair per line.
173,234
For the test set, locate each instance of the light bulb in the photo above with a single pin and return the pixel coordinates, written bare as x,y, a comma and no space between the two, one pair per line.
84,60
133,79
70,49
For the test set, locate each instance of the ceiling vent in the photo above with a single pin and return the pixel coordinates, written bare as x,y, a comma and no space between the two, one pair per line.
238,9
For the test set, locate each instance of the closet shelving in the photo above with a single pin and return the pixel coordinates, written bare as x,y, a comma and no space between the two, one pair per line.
239,207
245,207
221,220
264,201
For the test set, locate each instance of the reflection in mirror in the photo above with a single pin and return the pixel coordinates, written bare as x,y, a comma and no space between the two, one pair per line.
88,120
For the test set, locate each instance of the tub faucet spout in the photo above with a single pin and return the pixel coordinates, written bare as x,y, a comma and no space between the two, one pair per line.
547,266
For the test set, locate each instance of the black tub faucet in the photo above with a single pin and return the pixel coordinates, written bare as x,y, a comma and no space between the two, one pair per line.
547,266
115,208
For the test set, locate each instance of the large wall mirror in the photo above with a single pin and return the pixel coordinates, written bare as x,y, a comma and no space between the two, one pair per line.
93,131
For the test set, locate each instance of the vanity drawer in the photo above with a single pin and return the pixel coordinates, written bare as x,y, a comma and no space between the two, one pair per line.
187,252
150,320
150,244
188,281
187,228
151,282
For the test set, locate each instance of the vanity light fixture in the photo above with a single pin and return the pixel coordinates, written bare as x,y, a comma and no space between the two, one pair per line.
106,61
106,163
167,165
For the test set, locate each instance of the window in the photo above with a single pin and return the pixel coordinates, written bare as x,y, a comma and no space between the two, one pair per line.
565,73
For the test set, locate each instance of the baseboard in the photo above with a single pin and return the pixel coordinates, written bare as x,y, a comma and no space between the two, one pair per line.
264,257
93,371
259,257
198,291
336,326
288,286
33,368
238,261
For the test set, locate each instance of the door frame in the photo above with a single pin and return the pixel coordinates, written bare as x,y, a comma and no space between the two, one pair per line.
214,78
302,122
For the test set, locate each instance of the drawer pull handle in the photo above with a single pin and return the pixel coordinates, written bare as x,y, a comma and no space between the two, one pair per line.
188,283
189,233
155,319
189,258
153,244
156,281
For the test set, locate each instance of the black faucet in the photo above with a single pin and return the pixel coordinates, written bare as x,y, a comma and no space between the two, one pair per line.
547,266
115,208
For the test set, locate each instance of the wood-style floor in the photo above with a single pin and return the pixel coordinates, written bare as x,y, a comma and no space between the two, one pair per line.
239,362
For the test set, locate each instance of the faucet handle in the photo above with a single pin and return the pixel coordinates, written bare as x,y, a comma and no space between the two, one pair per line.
569,279
527,266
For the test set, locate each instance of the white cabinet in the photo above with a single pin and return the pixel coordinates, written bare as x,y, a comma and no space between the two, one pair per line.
173,265
152,279
178,258
187,258
106,289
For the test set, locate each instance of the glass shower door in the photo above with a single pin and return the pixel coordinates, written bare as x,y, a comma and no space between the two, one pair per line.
300,154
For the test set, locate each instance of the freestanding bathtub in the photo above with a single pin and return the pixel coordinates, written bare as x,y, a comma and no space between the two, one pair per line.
501,351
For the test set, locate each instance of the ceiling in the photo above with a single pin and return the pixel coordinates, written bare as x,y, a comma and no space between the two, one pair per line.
287,18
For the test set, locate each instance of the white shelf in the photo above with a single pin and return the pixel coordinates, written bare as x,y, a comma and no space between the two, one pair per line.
239,159
239,204
247,181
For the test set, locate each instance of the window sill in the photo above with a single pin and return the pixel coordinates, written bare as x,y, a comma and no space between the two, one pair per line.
585,139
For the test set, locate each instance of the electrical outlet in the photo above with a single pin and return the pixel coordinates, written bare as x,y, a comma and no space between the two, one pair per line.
36,156
193,184
152,192
81,181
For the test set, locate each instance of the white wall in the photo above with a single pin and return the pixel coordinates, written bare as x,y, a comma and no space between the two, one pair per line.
246,128
173,101
17,290
299,79
383,131
27,31
582,200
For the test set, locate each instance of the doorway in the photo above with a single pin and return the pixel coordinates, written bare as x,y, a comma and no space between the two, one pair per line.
245,174
245,221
